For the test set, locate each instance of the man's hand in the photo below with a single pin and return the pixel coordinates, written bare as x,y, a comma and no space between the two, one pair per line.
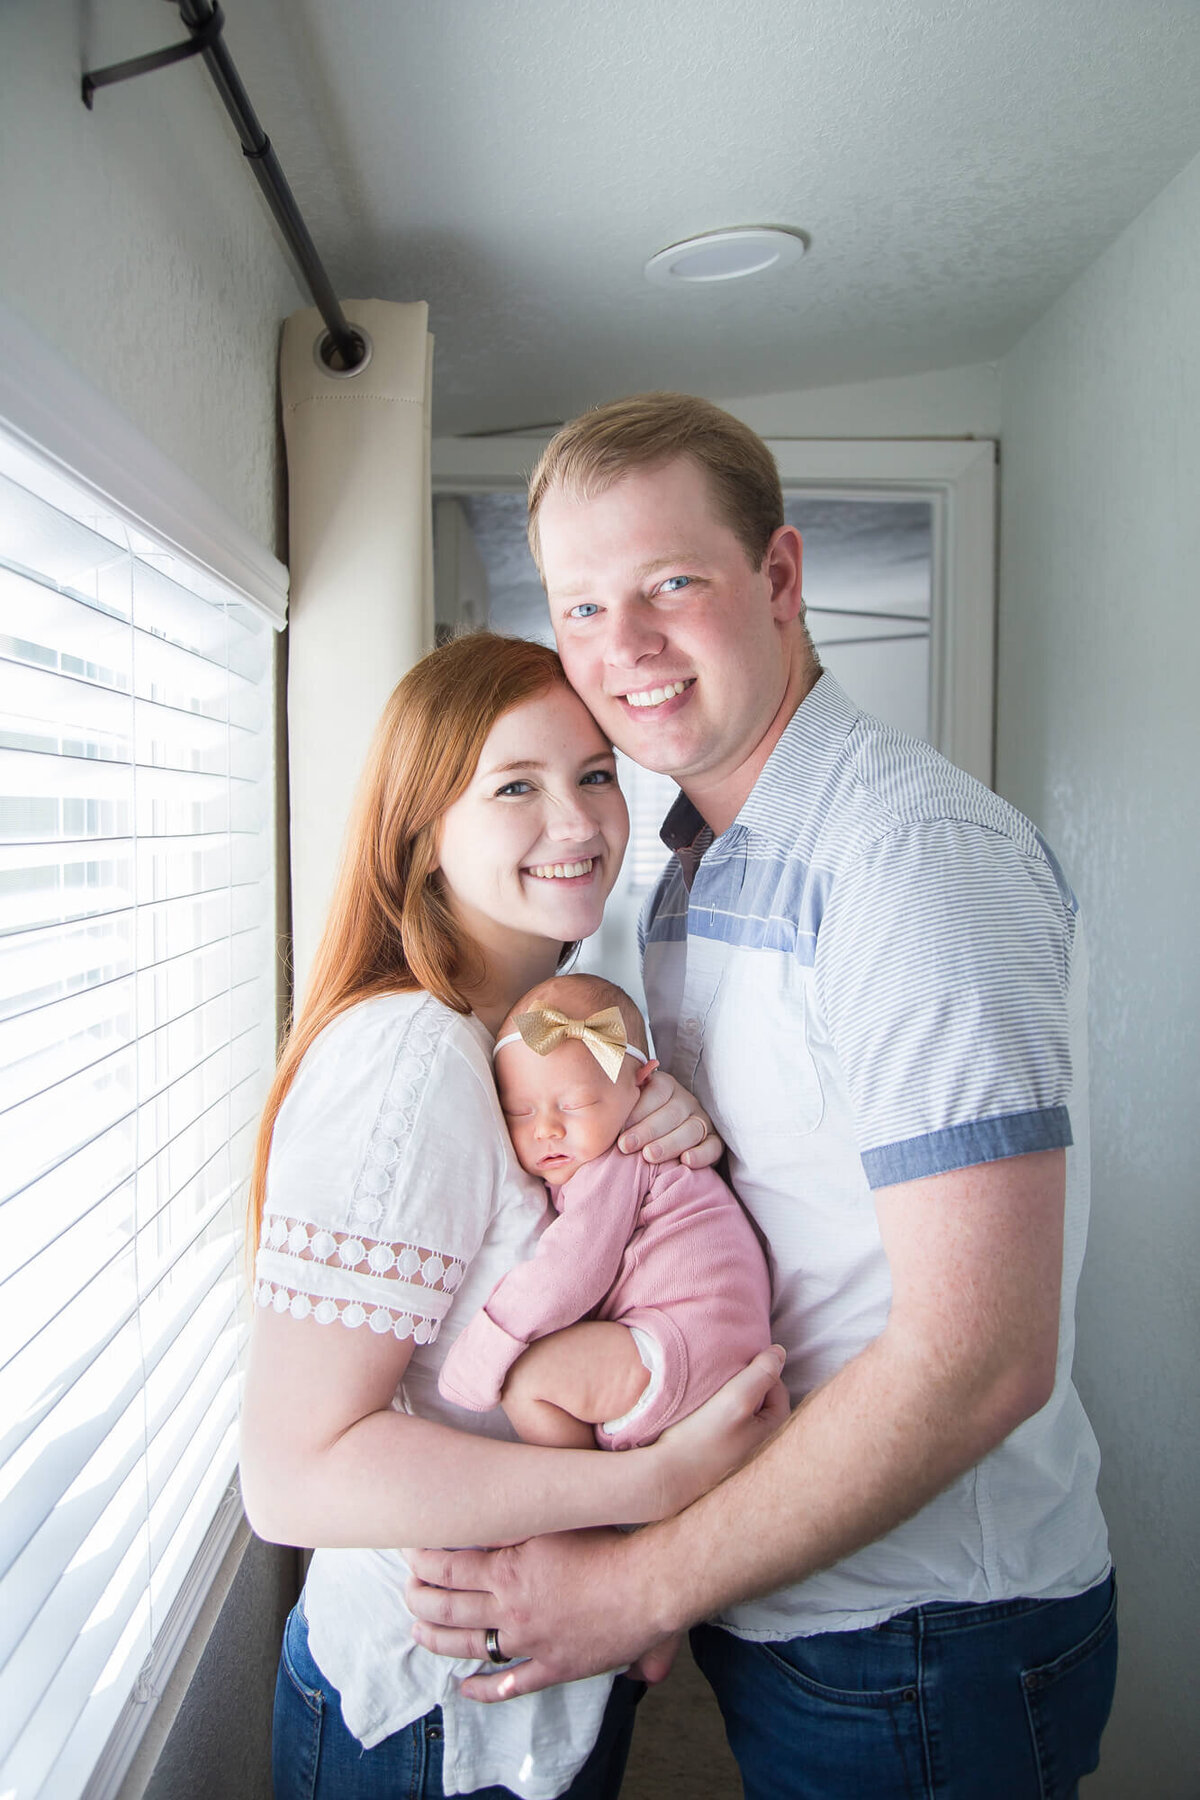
579,1602
668,1121
570,1603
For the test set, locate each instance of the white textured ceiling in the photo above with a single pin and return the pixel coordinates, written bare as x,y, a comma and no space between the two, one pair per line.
514,162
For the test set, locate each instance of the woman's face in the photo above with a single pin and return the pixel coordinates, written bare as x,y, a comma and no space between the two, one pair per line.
531,850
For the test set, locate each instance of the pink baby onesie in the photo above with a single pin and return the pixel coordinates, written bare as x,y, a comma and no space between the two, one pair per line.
663,1248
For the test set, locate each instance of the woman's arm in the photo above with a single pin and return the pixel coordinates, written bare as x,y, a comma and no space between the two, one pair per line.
326,1460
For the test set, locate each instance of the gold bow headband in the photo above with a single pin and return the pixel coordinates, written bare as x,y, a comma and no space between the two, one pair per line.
603,1034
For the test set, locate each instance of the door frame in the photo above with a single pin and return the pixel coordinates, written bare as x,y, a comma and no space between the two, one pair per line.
958,479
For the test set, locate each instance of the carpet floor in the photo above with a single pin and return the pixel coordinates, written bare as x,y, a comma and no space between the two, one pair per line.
679,1749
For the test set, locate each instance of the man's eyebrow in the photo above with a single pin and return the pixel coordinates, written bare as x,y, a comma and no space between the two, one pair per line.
639,573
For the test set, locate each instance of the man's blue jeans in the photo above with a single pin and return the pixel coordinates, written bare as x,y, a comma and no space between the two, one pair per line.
314,1757
998,1702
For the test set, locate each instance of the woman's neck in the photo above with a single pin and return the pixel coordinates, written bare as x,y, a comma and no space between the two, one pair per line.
508,977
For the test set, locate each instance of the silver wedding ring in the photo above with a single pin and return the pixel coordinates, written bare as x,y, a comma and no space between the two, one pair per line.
491,1643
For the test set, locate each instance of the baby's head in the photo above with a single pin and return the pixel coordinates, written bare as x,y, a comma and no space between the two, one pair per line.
562,1108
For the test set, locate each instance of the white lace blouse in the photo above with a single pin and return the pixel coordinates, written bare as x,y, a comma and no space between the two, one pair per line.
395,1203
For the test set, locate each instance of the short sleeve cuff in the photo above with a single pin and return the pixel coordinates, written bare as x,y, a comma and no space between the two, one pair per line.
962,1146
310,1272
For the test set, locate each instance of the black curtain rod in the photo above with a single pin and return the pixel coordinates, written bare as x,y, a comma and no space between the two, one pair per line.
343,349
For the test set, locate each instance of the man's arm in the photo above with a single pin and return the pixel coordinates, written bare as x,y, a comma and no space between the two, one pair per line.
968,1352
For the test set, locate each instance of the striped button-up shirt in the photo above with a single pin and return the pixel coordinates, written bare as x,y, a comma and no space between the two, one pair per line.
876,974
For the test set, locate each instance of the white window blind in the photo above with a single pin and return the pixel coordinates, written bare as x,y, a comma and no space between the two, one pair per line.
649,798
136,1041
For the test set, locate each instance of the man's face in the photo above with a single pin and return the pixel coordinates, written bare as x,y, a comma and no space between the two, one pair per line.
680,648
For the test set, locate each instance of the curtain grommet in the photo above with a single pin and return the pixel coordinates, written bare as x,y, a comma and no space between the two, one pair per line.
323,345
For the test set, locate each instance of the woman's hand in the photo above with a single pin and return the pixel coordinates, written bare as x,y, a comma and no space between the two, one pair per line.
721,1435
668,1121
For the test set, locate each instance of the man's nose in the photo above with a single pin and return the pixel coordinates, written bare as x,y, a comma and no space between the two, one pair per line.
631,635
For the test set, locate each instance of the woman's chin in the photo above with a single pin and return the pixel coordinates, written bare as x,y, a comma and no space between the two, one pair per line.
568,909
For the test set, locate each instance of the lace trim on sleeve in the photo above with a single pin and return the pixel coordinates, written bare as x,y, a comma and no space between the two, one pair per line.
308,1271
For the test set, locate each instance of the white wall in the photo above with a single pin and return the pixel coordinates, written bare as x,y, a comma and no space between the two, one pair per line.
134,241
963,402
1098,741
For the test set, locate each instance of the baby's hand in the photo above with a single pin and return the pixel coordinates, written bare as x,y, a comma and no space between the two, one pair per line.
668,1121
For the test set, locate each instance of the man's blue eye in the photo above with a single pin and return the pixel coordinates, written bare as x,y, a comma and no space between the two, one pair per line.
584,610
669,585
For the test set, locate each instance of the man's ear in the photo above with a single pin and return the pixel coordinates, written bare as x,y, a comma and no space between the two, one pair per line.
645,1071
785,568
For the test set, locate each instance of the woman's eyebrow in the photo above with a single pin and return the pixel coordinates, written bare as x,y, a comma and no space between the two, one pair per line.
526,762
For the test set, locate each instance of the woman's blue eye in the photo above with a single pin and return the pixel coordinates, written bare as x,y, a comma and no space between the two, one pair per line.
584,610
514,787
669,585
598,778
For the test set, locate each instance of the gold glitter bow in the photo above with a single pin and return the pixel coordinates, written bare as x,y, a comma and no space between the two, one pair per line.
603,1034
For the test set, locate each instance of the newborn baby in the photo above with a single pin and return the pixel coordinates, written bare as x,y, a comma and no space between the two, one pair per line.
649,1290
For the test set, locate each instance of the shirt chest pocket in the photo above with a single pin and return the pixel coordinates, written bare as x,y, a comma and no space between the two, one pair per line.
757,1074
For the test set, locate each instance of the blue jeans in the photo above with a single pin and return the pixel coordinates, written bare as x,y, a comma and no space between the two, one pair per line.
314,1757
997,1702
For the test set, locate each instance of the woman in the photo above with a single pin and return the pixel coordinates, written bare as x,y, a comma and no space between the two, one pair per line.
488,834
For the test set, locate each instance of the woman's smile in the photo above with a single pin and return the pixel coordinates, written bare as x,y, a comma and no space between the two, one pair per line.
565,871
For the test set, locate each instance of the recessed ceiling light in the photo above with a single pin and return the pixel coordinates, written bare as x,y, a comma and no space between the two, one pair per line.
727,255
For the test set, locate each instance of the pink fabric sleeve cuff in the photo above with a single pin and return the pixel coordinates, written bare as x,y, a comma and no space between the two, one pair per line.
474,1371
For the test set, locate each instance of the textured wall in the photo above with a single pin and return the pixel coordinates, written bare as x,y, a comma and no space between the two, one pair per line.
1098,741
135,241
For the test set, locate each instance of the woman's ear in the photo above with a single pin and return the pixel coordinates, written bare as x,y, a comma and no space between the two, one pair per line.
645,1071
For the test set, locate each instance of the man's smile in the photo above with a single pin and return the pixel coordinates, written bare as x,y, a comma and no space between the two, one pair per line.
659,698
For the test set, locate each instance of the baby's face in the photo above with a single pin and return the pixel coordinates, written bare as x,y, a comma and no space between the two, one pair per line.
562,1110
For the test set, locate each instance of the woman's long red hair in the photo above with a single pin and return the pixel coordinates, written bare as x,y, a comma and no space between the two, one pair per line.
389,929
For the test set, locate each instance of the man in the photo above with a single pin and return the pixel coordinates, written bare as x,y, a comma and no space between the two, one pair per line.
869,969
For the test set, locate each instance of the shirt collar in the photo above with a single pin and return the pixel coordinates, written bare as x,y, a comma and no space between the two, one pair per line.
791,777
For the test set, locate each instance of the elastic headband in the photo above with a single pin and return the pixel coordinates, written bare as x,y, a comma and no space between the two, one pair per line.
603,1034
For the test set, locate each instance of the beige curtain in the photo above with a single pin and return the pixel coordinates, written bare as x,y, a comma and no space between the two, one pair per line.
361,606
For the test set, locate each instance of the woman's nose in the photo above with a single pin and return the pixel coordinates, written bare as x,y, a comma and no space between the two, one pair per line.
573,820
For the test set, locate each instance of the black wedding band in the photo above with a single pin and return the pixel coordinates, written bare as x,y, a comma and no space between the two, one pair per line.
491,1643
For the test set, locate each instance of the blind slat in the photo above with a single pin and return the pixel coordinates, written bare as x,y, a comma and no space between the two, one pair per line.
181,1417
88,1391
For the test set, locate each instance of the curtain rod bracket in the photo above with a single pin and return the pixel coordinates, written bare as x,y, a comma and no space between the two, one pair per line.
345,348
201,39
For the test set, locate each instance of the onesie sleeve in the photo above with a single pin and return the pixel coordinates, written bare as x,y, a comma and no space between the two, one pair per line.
577,1260
384,1172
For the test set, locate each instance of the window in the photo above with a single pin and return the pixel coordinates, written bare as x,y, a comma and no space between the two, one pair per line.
137,1019
649,798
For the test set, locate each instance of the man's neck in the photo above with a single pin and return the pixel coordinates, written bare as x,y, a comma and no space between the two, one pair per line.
720,800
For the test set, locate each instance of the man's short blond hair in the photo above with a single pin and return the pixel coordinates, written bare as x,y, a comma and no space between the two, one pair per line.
595,450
